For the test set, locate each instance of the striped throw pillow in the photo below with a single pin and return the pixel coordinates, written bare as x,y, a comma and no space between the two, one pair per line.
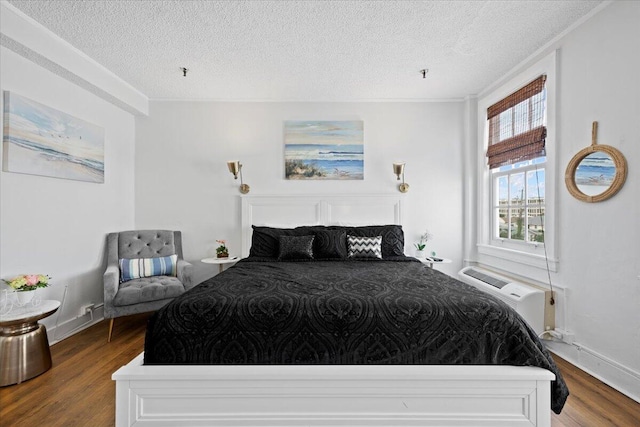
146,267
364,247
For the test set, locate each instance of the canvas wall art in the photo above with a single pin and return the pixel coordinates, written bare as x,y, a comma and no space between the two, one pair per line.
40,140
319,150
595,173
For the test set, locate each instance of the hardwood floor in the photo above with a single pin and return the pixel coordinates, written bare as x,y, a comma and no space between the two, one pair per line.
78,390
593,403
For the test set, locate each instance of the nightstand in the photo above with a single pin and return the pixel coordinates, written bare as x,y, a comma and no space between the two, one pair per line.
221,261
434,260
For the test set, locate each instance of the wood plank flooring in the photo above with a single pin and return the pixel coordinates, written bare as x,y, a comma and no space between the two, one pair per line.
78,390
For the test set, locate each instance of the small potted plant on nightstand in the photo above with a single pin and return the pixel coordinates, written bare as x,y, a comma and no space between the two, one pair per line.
424,238
222,251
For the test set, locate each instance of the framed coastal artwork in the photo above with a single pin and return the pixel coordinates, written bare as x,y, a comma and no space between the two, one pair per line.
323,150
39,140
597,172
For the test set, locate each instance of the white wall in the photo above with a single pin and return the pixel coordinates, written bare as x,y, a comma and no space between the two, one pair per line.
55,226
182,181
599,243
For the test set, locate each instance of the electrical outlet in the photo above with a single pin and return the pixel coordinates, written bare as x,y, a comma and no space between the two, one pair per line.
86,309
565,336
569,337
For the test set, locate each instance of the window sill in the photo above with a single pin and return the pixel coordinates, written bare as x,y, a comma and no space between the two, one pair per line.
518,257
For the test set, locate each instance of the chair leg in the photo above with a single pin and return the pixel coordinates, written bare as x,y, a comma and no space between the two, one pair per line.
110,329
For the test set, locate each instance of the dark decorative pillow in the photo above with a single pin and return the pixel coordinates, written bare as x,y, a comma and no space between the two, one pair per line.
295,248
265,243
265,240
365,247
331,244
392,237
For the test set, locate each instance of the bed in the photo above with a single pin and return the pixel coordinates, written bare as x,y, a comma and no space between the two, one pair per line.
335,341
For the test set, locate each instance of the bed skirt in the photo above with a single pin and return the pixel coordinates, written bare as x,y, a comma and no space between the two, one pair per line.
332,395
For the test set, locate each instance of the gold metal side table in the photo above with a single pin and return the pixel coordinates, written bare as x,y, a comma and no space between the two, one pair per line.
24,347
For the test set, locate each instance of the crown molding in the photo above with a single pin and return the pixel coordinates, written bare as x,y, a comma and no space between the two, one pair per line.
319,101
30,39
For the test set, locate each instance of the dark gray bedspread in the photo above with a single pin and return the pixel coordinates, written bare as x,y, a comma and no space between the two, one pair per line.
342,312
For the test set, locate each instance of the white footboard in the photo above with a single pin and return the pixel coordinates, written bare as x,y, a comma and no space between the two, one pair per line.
369,395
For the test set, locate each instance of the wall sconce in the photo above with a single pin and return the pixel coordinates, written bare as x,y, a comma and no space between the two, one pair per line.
398,169
235,167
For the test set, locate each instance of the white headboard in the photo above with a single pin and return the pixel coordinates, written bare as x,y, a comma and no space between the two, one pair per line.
292,211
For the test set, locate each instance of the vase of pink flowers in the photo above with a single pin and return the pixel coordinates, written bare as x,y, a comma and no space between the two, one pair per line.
25,286
222,251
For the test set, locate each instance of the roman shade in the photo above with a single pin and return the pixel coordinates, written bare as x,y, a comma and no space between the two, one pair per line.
516,125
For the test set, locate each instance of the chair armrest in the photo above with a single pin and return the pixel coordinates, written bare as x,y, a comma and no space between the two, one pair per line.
111,279
185,274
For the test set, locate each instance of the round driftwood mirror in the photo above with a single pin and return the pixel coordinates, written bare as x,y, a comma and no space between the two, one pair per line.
597,172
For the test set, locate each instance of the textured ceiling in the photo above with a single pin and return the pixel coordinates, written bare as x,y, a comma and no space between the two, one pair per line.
307,50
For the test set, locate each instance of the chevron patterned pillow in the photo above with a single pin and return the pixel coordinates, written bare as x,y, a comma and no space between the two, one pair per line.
364,247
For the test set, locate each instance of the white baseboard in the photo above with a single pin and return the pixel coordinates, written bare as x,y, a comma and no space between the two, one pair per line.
610,372
64,330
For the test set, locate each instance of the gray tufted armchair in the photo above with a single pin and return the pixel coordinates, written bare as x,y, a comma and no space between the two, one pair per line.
143,294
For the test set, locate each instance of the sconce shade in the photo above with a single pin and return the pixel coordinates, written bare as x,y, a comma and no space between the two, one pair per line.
234,168
398,169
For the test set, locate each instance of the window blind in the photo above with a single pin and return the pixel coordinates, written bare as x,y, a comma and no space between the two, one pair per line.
516,125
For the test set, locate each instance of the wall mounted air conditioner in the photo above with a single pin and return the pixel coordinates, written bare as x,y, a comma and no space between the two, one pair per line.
530,302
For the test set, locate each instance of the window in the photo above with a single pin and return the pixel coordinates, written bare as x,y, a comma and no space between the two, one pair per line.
516,157
519,201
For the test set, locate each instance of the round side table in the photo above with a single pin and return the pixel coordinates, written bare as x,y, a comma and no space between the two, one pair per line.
221,261
24,347
434,260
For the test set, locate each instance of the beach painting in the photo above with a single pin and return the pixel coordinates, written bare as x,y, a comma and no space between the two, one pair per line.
40,140
595,173
324,150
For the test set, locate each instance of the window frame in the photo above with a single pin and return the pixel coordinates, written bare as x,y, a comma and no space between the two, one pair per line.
522,257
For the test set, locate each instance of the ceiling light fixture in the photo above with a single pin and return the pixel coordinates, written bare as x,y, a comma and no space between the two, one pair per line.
424,72
184,71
